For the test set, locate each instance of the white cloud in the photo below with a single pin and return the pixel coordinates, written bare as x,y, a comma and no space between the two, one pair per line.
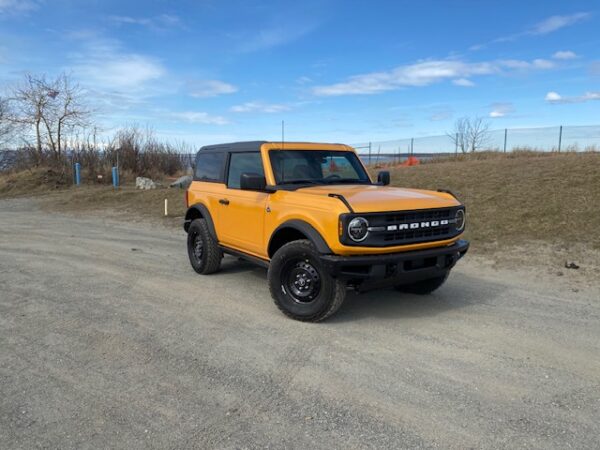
260,107
425,73
121,71
304,80
160,22
464,82
266,37
501,110
527,65
555,97
555,23
15,7
200,118
546,26
210,88
103,64
564,54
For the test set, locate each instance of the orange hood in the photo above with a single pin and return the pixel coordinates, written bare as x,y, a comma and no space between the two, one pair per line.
368,198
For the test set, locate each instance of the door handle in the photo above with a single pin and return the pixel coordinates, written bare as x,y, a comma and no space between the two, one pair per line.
224,201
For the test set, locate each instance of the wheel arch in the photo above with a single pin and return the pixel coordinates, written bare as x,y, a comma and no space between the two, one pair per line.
293,230
199,211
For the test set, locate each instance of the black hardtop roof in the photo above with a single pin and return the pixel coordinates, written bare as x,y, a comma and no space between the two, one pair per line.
246,146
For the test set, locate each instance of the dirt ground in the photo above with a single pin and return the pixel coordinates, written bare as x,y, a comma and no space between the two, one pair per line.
110,340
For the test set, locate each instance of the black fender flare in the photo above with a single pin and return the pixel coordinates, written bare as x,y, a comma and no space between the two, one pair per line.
192,213
306,229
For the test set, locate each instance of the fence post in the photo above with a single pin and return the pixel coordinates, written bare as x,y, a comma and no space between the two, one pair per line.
77,174
559,138
505,136
369,153
456,145
115,177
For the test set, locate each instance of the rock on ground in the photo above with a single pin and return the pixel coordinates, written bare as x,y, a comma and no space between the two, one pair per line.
144,183
182,182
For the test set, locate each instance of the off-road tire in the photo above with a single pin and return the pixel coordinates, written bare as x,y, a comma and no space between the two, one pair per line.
423,287
301,258
210,259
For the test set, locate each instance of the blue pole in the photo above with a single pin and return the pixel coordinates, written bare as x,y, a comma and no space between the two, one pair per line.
115,177
77,174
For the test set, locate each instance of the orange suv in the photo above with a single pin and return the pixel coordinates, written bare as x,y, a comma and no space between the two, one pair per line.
313,216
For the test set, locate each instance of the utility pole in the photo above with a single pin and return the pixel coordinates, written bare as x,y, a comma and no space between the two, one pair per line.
559,138
505,135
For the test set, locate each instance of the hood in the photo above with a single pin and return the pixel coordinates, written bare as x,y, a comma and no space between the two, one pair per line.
369,198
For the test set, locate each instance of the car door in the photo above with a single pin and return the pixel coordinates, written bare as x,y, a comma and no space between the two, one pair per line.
241,212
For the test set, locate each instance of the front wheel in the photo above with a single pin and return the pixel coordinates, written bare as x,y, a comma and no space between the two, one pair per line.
423,287
300,286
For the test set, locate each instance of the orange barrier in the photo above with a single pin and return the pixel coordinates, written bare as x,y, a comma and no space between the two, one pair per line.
411,161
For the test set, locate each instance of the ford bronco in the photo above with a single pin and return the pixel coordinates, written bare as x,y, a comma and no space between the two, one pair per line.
313,216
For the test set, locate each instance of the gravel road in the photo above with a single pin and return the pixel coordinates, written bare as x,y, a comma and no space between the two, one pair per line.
108,339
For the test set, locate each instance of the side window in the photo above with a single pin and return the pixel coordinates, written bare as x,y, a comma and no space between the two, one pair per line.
243,162
209,166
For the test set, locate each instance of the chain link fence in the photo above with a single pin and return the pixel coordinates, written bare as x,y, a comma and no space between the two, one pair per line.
546,139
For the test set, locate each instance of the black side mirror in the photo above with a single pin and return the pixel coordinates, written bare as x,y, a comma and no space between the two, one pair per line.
251,181
383,178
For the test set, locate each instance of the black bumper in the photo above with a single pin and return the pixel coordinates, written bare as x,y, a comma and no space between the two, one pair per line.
375,271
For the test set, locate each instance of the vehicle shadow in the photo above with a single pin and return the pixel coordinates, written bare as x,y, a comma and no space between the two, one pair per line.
460,291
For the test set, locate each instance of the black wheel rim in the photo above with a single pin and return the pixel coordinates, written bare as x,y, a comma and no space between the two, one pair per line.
197,247
301,280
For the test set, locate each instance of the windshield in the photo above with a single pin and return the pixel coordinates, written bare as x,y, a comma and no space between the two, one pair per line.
317,167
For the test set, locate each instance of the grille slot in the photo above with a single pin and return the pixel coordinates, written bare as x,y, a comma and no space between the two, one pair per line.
416,234
417,216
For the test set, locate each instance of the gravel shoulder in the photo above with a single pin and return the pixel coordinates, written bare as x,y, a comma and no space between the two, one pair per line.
109,339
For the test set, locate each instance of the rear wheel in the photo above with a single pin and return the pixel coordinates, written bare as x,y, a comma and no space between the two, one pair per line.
203,249
300,286
423,287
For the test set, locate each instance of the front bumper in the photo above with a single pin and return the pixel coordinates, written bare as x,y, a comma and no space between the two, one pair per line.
375,271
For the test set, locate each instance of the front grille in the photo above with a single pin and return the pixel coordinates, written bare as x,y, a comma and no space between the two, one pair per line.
427,234
411,227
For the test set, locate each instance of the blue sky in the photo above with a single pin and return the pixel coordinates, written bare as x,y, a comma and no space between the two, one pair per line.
209,71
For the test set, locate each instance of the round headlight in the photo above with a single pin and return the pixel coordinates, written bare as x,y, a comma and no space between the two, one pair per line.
358,228
459,219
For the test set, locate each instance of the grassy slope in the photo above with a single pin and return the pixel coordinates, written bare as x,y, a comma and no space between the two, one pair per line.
126,203
512,200
555,198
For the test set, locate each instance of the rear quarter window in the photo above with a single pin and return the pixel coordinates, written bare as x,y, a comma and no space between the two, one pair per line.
209,166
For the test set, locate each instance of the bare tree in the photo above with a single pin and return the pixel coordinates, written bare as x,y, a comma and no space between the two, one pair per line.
31,99
6,125
470,134
460,133
54,108
67,111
